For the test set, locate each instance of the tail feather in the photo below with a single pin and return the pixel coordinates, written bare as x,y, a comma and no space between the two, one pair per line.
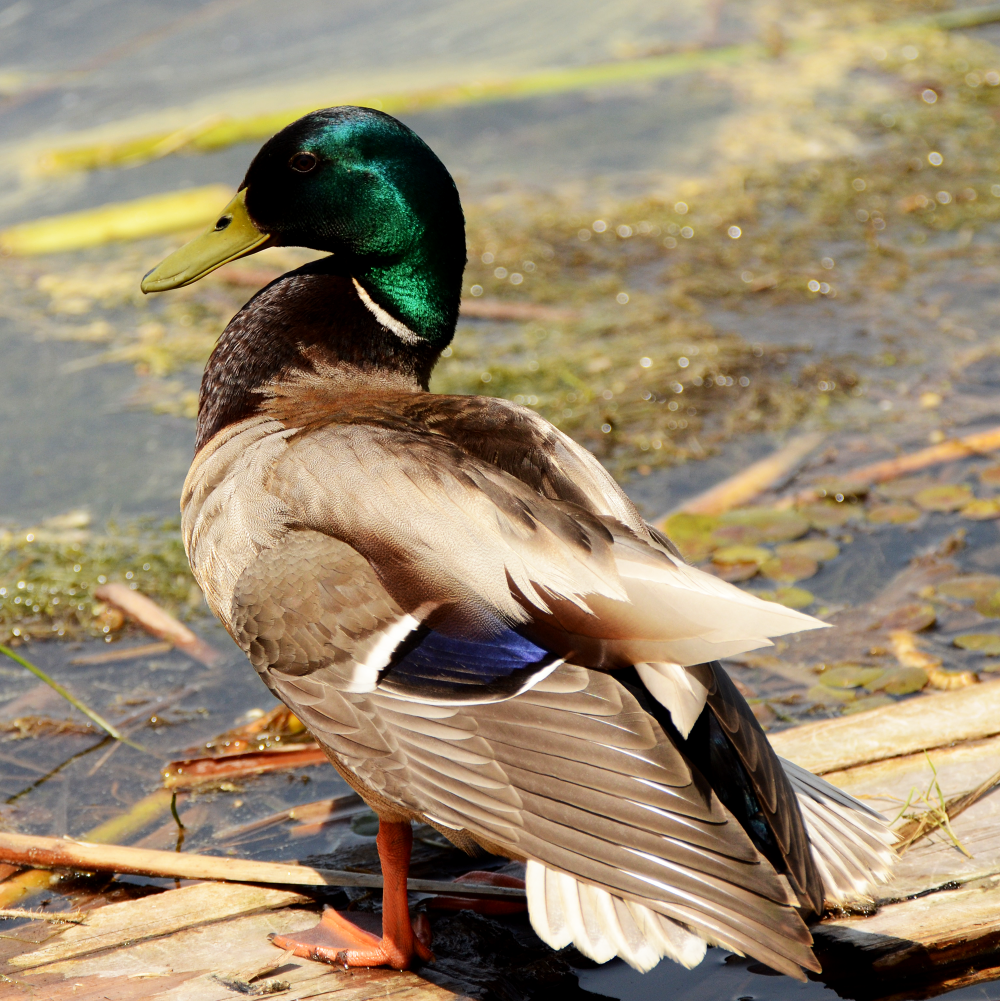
565,911
851,843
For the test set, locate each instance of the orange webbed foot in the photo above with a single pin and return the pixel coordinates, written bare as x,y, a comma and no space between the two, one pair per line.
343,941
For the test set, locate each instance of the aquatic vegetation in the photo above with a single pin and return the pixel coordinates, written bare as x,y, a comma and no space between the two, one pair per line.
48,575
863,154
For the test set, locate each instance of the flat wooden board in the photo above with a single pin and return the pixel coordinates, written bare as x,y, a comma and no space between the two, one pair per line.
903,728
189,937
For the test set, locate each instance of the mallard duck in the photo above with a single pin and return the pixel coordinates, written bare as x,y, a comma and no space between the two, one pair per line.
466,610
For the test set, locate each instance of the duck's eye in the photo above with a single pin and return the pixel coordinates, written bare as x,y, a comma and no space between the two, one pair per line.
303,162
223,222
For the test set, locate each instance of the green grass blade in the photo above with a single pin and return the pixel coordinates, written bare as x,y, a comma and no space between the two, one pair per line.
69,697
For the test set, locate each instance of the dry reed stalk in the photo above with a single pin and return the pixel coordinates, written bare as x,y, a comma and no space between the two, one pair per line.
62,853
146,613
859,480
749,483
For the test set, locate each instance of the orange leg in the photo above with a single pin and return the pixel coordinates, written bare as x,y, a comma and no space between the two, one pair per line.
337,939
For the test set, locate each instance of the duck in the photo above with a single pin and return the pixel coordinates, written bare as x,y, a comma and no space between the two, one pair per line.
464,607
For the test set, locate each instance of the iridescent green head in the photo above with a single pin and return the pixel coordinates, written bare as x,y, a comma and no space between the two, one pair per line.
361,185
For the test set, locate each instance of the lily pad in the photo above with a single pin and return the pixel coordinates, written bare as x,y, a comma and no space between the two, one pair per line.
789,569
850,676
742,554
989,605
829,514
990,476
969,586
987,643
892,514
738,535
773,525
912,618
868,702
900,681
814,549
904,488
983,509
830,696
790,597
734,572
944,497
691,533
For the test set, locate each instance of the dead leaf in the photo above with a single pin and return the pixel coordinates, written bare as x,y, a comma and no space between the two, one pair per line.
868,702
990,476
905,487
790,597
771,524
830,696
733,572
742,554
989,605
913,618
691,533
900,681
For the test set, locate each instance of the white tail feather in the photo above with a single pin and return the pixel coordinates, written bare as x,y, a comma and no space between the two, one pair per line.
676,688
565,911
851,843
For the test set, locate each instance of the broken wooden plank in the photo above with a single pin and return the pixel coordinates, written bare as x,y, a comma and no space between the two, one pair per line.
890,731
155,916
933,941
63,853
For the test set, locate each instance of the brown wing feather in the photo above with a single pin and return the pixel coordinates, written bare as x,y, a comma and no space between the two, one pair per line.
572,773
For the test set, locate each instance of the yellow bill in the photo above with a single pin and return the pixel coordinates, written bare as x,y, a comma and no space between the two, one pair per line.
234,235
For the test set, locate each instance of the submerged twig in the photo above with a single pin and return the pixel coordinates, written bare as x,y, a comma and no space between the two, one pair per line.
69,697
122,653
177,820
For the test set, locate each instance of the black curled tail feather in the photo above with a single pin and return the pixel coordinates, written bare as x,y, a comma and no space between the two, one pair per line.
772,790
